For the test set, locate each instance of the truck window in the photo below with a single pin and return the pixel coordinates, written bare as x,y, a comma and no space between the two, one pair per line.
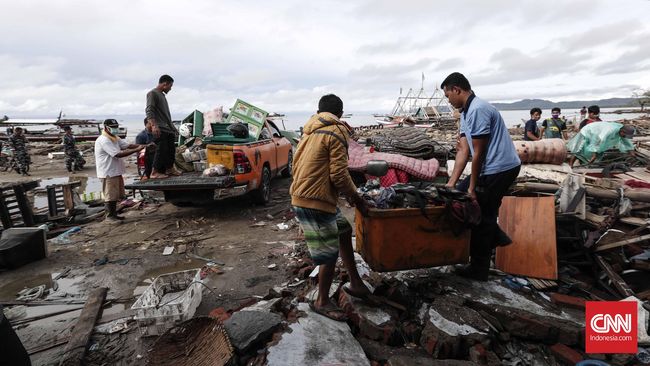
274,130
265,134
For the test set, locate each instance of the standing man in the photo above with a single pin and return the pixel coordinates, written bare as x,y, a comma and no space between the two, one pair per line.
18,144
554,127
531,131
145,137
72,155
320,173
109,151
495,166
594,116
163,129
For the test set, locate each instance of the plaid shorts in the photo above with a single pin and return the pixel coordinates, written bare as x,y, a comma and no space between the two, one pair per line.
322,230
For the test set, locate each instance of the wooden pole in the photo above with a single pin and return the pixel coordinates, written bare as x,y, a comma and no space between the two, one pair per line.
75,350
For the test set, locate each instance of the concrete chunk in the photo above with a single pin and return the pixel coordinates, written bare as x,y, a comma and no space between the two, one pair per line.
247,328
317,340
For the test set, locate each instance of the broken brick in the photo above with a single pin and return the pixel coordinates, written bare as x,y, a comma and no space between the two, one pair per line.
565,354
220,314
373,322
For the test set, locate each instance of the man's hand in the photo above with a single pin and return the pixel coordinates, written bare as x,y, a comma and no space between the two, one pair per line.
360,204
472,193
155,131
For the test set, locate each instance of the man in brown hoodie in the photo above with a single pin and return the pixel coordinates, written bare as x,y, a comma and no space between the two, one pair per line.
320,173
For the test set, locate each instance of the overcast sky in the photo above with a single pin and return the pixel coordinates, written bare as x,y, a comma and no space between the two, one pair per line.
101,57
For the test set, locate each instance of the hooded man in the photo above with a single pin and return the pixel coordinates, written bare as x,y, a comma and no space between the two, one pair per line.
109,151
320,173
590,144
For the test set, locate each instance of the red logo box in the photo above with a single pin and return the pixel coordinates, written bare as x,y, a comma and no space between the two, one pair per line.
611,327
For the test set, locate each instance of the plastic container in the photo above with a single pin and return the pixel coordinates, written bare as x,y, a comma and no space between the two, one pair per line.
200,166
203,154
403,238
171,299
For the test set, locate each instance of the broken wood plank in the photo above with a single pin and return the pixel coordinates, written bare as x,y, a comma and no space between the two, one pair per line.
636,221
83,329
639,264
569,301
618,283
621,243
527,221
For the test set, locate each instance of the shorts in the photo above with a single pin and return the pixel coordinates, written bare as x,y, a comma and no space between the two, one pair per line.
322,230
113,188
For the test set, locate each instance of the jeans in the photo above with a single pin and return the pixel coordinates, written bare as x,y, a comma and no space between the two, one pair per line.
163,160
489,194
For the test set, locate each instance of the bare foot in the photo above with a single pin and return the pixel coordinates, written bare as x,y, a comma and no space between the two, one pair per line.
159,176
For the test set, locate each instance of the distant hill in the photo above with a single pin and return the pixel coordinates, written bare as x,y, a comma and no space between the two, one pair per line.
577,104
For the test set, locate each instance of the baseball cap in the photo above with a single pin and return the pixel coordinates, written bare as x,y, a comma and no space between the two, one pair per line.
111,123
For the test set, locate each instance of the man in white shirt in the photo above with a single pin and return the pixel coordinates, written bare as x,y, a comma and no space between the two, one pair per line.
109,151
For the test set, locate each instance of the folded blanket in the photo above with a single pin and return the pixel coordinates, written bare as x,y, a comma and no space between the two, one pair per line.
421,169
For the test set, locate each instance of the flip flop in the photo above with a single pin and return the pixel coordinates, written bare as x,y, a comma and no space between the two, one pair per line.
328,311
368,298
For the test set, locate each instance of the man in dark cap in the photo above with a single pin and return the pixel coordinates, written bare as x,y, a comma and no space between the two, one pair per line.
109,151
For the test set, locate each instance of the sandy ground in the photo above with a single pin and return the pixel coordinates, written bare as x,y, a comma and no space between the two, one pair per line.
243,236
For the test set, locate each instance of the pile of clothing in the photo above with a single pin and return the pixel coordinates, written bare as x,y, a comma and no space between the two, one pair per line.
461,211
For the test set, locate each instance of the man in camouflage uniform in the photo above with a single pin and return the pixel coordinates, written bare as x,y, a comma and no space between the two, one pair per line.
72,155
18,144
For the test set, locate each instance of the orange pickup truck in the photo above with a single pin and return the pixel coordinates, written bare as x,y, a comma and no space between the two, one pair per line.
251,166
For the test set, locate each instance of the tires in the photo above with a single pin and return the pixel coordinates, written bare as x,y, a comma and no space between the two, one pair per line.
286,173
262,195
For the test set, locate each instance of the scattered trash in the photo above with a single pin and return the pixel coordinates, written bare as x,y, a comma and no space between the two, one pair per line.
283,226
168,250
182,249
64,238
30,294
115,326
272,266
205,259
100,261
259,224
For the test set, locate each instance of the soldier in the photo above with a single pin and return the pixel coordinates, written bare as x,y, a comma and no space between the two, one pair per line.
73,159
18,144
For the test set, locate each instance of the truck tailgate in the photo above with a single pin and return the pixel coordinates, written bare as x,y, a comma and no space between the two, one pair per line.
184,182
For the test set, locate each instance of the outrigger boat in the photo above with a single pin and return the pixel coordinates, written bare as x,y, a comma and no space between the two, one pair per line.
51,130
421,110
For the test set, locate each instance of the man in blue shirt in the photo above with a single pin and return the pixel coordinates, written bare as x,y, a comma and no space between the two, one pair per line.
495,166
145,137
531,131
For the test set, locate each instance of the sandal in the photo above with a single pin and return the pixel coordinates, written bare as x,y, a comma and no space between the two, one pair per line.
330,311
368,298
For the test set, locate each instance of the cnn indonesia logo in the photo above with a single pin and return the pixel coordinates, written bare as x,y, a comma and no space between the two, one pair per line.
611,327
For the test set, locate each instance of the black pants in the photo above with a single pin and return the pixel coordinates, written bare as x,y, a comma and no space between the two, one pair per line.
165,152
149,155
489,194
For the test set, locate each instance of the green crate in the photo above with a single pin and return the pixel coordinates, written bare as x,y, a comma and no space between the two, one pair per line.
219,129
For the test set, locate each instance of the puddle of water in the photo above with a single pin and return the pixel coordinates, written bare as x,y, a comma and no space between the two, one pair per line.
181,265
88,185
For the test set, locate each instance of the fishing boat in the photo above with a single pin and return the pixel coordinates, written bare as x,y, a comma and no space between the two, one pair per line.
51,130
420,109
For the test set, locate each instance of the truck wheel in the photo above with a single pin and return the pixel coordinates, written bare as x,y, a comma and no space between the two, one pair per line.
262,195
286,173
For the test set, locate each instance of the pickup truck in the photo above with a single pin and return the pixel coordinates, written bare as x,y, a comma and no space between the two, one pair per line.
251,166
